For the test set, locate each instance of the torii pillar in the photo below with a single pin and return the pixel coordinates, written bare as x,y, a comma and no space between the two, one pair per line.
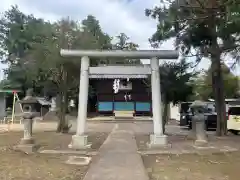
79,140
158,137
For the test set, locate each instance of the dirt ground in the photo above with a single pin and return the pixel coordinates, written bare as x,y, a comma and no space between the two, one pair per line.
197,165
51,140
182,144
219,166
20,166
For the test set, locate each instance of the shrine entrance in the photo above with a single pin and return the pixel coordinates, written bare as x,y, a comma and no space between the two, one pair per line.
79,140
122,94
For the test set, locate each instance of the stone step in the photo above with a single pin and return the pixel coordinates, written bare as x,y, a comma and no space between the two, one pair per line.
124,114
124,118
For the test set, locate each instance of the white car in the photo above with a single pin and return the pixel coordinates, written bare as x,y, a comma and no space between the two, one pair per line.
233,122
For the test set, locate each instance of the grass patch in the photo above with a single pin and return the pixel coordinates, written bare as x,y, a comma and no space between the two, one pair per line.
218,166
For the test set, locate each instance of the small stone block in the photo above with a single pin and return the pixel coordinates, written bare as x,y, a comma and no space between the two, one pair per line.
159,146
78,160
79,142
27,141
158,141
191,136
62,152
27,148
228,149
198,144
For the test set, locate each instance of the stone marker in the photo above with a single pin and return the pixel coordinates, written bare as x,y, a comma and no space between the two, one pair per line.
78,160
198,120
27,143
192,132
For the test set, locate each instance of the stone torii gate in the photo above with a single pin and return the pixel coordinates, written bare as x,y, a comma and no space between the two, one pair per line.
79,140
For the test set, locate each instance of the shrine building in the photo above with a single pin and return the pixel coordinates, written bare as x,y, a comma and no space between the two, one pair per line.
122,92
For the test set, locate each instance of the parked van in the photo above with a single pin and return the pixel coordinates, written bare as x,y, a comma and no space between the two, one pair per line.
184,112
233,121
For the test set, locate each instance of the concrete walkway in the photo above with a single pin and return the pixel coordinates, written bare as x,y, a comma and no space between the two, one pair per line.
118,158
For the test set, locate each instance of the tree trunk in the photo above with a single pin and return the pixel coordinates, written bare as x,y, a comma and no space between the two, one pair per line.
63,101
217,77
61,122
218,87
165,114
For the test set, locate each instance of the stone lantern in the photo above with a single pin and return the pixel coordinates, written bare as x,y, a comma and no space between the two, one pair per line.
198,122
27,143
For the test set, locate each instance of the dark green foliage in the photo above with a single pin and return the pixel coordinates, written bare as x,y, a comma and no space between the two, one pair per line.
209,27
203,84
31,47
175,81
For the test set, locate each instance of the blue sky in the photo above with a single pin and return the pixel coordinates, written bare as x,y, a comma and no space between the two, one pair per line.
115,16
